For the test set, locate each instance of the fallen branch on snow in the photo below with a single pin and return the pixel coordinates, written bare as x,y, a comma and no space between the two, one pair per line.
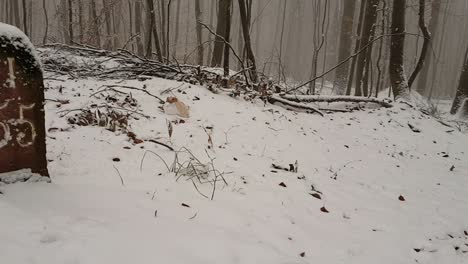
330,99
293,105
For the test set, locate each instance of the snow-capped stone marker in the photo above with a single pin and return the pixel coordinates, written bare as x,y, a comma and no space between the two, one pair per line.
22,128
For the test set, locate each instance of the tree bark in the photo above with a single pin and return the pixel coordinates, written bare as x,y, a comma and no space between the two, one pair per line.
25,18
397,71
138,19
95,25
347,22
366,36
176,33
153,30
356,47
423,76
462,90
248,43
198,17
70,20
227,37
223,6
44,7
426,43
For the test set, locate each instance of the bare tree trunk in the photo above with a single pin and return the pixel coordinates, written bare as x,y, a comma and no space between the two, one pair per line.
210,37
198,17
248,44
223,7
423,77
15,13
227,36
176,33
95,35
168,24
70,20
366,37
427,41
280,55
462,91
397,72
347,22
362,9
81,20
44,7
108,21
25,18
153,30
138,19
163,26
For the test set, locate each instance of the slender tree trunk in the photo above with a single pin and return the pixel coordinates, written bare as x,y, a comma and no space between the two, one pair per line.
223,7
15,13
347,22
176,33
248,44
168,25
366,37
397,72
108,21
81,20
25,18
356,47
46,17
163,26
462,91
138,19
153,30
433,23
210,37
427,41
227,37
96,36
70,20
198,17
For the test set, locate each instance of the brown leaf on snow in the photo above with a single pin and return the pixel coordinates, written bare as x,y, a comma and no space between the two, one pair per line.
323,209
302,254
185,205
466,233
401,198
282,185
316,195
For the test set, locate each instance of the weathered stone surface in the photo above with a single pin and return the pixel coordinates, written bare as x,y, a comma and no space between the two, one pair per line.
22,127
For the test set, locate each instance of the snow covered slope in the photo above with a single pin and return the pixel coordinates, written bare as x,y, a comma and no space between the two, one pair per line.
388,194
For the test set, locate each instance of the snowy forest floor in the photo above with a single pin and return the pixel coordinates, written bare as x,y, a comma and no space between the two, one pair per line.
387,194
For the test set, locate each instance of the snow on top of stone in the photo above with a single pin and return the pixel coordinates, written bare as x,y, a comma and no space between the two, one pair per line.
18,39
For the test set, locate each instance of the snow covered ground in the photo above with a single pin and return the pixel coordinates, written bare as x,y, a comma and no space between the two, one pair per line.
388,194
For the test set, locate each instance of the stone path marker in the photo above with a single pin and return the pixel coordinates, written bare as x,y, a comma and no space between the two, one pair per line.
22,128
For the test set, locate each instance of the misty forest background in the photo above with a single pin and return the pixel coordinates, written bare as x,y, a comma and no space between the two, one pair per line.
292,41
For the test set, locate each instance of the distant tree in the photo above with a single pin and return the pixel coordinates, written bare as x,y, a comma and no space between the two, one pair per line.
198,27
368,29
227,36
423,76
152,30
224,7
138,32
245,21
346,34
70,20
25,18
397,72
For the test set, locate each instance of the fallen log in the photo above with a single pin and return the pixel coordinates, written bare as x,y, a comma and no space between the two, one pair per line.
330,99
294,105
